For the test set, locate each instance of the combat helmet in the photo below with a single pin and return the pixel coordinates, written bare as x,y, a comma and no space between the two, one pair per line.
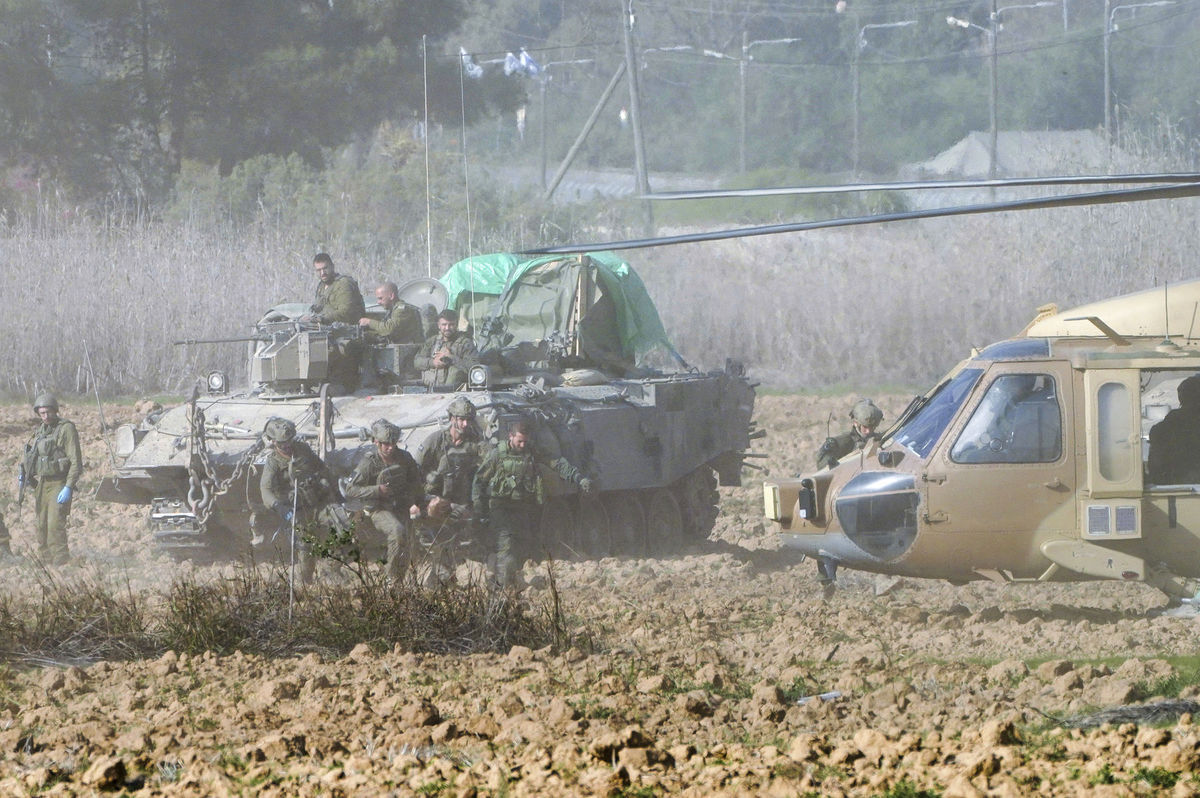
45,400
866,413
384,431
461,407
279,430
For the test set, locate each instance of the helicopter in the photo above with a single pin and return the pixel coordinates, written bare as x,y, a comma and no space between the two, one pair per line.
1030,460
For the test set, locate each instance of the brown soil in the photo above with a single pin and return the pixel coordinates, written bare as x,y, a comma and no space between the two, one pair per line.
692,685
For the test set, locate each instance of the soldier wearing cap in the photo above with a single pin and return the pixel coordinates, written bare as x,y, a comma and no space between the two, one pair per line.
864,417
1174,457
53,463
445,357
508,489
389,481
298,486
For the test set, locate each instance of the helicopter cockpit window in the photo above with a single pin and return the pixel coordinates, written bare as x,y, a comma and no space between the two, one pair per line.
925,428
1017,421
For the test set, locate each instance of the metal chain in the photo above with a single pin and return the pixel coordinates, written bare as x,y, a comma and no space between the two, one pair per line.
208,485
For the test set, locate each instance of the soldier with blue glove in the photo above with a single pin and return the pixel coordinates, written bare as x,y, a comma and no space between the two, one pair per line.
53,462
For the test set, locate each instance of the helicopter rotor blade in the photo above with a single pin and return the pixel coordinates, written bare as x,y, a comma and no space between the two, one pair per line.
1190,189
918,185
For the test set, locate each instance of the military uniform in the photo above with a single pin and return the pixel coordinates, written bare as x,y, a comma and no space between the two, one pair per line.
837,447
462,352
339,301
314,496
53,461
401,325
508,489
389,514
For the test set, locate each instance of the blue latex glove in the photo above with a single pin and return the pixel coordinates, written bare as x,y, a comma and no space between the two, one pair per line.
287,516
64,495
20,479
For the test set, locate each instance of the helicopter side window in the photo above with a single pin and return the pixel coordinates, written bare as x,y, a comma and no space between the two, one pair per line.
1017,421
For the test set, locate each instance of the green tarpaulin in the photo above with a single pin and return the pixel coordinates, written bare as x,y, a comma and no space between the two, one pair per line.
614,319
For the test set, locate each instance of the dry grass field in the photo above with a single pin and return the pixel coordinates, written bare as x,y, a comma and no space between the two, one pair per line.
693,674
888,305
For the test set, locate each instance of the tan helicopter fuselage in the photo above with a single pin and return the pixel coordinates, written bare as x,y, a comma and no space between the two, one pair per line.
1027,462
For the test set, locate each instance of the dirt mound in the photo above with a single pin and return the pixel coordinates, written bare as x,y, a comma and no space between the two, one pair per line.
717,671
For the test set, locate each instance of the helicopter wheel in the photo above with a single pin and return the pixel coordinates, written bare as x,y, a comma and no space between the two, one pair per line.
664,522
595,539
698,500
626,522
556,529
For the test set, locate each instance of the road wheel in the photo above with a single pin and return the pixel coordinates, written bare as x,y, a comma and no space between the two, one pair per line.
698,500
664,522
595,540
626,522
556,530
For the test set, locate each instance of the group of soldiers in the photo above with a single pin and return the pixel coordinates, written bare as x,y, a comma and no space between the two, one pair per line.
51,464
442,358
463,491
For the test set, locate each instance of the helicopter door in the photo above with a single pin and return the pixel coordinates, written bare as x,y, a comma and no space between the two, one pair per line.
1003,472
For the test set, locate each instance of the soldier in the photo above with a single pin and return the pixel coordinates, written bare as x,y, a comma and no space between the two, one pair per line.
297,485
389,481
53,462
444,358
508,490
401,323
455,455
1174,457
338,301
338,297
865,417
461,428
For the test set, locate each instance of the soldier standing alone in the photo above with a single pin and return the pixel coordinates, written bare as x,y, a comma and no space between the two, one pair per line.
53,463
508,490
389,481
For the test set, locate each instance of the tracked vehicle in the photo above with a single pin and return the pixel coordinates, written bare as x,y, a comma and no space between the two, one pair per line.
574,343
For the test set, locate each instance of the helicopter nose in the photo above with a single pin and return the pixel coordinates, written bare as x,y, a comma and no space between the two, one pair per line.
878,512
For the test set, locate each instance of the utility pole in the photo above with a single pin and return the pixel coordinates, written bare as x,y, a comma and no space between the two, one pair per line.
742,94
635,112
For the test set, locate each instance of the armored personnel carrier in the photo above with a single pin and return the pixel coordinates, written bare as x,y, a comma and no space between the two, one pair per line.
571,342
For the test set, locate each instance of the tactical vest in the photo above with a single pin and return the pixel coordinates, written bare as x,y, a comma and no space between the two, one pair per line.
45,458
516,478
458,471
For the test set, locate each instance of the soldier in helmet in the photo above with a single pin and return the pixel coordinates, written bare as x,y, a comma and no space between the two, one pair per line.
297,485
864,417
53,462
461,429
455,455
444,358
1174,457
508,490
389,481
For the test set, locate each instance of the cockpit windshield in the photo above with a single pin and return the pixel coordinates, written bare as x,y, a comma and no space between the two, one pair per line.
923,430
